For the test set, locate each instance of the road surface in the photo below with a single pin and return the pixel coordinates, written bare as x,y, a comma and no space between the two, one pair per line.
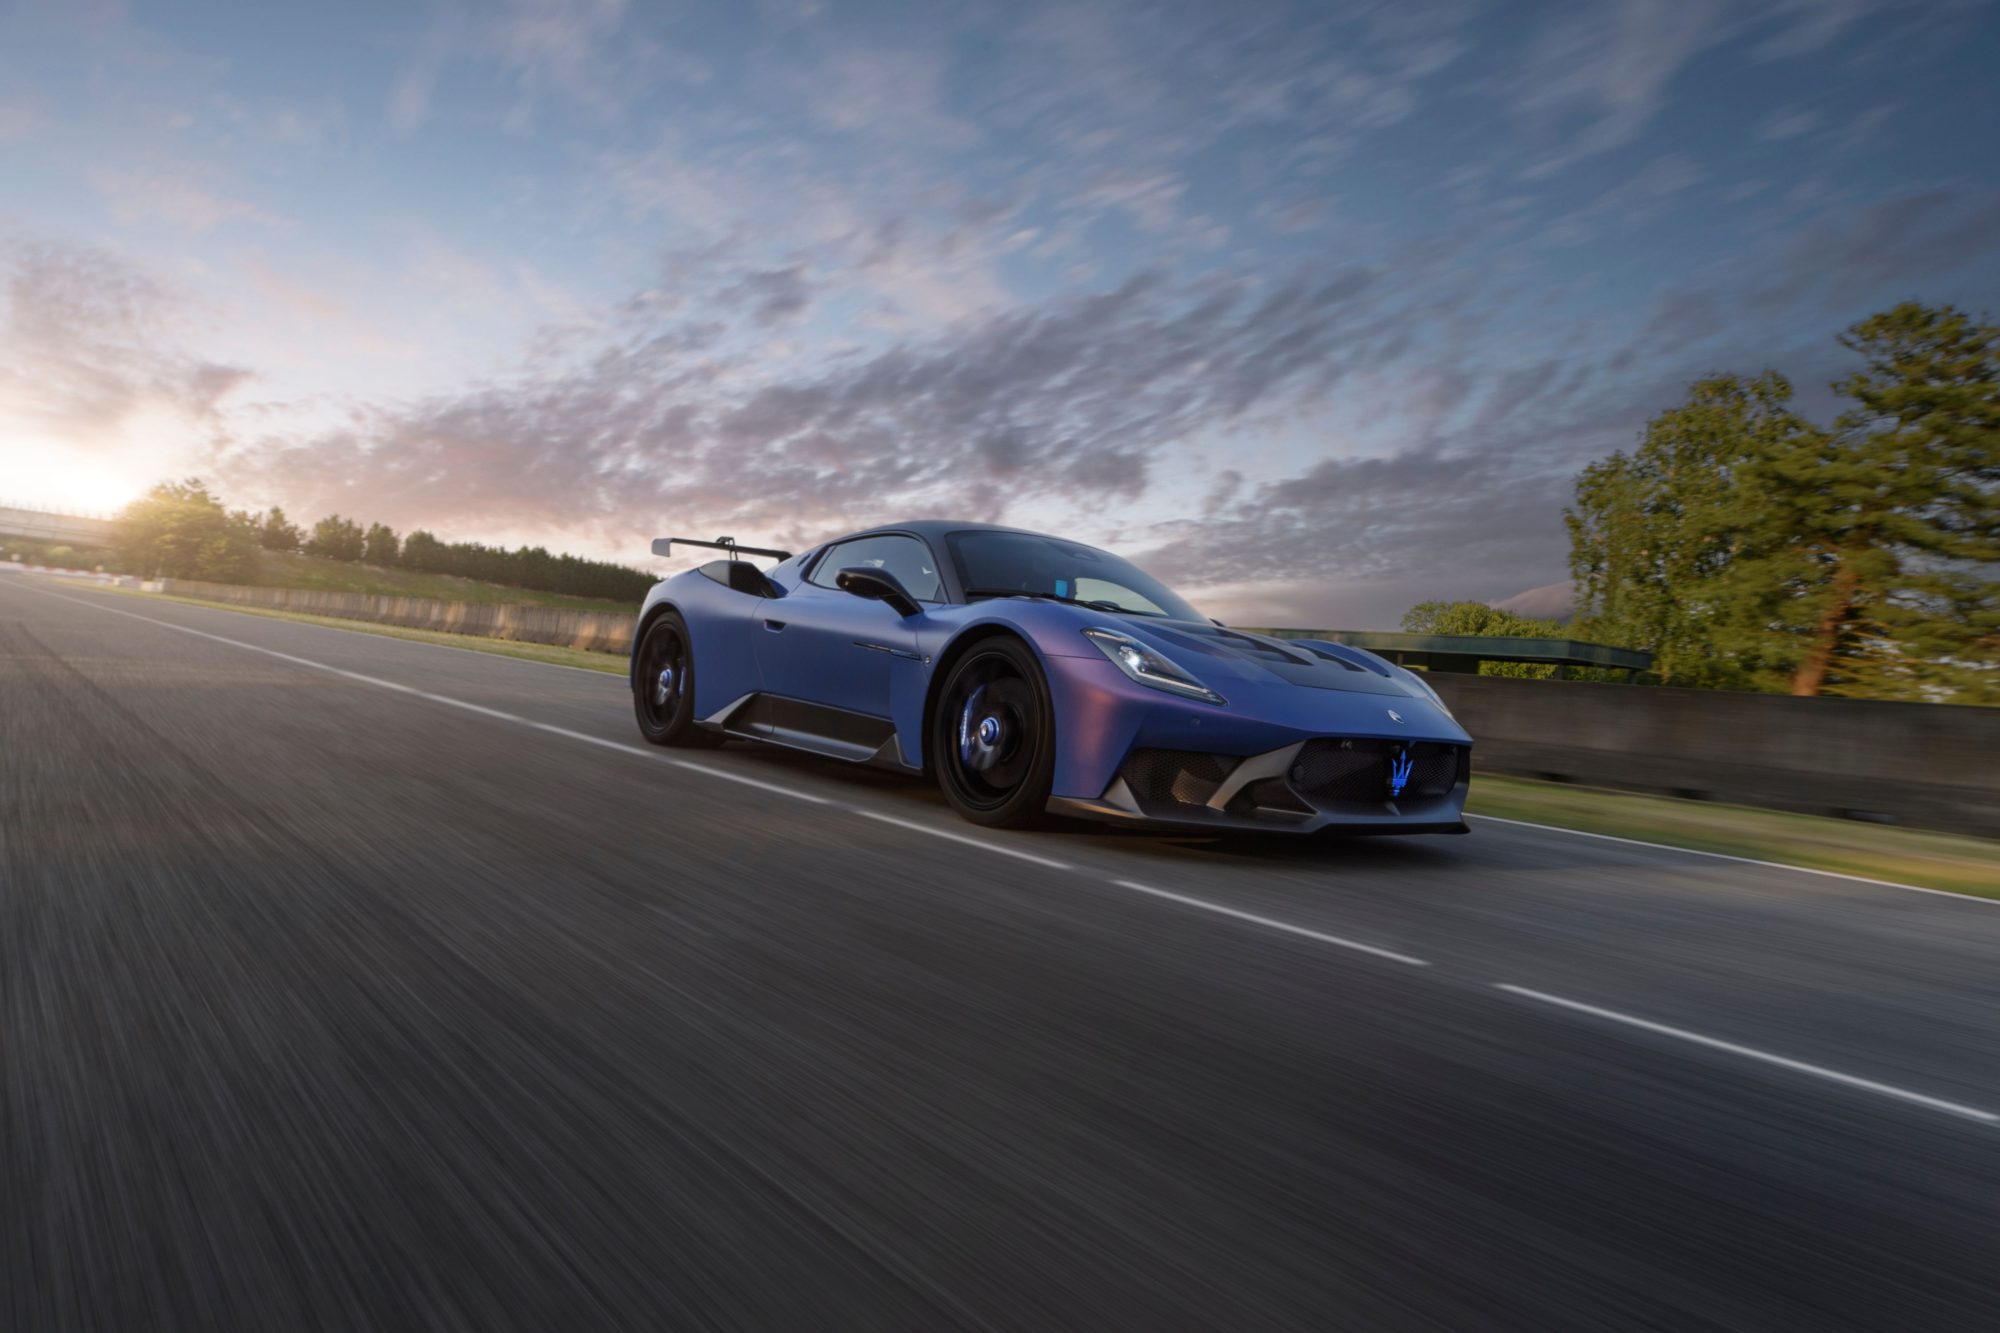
354,983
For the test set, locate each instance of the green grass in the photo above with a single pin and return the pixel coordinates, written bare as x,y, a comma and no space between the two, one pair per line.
285,569
1906,856
610,663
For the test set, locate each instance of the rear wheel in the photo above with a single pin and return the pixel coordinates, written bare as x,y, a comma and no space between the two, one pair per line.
993,736
663,686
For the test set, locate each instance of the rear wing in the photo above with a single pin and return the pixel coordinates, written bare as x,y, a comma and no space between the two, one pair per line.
665,546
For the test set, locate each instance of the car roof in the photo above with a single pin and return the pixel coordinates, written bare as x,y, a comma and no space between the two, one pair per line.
934,529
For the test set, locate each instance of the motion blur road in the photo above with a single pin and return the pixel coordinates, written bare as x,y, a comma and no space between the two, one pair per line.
349,983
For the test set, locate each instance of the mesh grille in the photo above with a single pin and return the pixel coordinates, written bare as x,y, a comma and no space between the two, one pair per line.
1326,773
1333,771
1183,777
1433,769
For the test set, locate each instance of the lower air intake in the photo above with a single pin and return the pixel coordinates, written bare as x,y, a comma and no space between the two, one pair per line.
1175,777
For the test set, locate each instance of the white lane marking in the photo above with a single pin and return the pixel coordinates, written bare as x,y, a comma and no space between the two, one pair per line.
1749,1052
1269,923
449,702
620,746
1744,860
968,840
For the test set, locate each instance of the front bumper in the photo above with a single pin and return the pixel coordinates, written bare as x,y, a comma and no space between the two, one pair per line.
1348,784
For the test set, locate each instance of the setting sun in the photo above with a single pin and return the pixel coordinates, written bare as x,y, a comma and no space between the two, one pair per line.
57,480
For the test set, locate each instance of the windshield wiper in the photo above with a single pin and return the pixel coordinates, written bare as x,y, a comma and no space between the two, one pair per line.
1058,597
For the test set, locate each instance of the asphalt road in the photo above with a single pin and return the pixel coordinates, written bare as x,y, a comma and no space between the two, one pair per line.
354,983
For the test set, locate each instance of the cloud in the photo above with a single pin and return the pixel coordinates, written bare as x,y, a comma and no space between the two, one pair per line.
16,119
1806,26
136,199
891,94
1600,73
1637,199
92,348
576,54
668,415
410,100
1597,76
772,296
1868,252
1786,123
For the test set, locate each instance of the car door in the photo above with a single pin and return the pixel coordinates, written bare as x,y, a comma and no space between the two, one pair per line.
830,648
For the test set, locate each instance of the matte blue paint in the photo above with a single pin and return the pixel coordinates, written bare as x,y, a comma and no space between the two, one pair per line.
1273,697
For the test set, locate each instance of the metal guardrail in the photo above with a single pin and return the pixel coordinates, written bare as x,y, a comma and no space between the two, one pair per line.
1464,652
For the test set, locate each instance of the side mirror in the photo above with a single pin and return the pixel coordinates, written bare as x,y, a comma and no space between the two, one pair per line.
877,585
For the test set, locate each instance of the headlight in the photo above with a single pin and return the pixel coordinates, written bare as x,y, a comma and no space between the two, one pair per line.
1148,666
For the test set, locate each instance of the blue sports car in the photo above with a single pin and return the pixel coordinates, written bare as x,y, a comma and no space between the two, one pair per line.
1035,676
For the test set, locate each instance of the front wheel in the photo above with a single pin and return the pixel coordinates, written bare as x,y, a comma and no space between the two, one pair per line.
663,686
993,738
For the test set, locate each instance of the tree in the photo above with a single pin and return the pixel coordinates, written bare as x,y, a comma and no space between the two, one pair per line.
423,552
1749,548
1678,546
337,538
275,533
1925,430
380,545
1481,620
178,530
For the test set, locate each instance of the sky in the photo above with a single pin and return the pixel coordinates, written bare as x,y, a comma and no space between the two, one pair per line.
1314,309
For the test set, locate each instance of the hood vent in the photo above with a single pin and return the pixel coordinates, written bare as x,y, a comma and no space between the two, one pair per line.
1214,638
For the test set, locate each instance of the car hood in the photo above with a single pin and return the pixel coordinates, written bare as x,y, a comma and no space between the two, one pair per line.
1221,656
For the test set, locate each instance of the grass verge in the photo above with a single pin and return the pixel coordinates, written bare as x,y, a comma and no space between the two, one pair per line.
290,569
1905,856
610,663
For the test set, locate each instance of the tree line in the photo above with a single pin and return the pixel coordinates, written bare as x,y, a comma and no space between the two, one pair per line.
1748,547
182,530
1751,548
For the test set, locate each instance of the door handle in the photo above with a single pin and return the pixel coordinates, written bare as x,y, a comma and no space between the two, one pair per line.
774,625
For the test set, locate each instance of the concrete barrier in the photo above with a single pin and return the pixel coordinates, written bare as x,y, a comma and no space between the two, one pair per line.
595,631
1925,765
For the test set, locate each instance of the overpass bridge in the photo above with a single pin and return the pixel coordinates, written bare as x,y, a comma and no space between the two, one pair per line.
49,525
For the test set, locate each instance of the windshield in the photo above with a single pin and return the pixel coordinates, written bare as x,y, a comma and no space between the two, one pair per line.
1003,563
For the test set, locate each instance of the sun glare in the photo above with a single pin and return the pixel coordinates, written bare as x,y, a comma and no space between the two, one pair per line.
52,479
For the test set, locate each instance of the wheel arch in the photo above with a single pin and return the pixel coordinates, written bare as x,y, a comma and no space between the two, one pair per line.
948,659
646,619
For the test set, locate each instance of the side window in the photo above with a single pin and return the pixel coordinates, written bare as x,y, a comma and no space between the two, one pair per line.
905,557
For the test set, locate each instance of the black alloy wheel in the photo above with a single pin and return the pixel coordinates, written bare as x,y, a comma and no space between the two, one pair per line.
663,686
993,736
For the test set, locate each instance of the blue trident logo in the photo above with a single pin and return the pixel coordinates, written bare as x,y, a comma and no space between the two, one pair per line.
1399,773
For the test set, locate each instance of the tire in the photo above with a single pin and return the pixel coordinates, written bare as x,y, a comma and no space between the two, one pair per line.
993,736
663,686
